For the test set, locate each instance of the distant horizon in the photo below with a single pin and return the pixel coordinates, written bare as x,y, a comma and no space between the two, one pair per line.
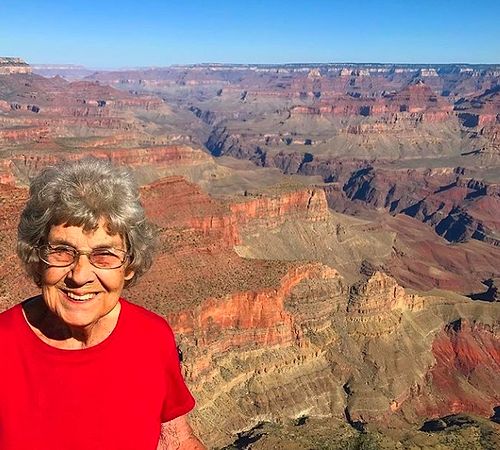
121,33
222,64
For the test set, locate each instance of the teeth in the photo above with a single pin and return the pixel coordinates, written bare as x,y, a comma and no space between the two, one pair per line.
80,298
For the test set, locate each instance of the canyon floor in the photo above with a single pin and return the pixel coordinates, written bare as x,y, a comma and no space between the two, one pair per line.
330,238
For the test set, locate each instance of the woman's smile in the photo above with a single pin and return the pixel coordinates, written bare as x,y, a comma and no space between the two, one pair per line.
79,297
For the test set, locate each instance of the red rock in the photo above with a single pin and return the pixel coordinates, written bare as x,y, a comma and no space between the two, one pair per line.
466,354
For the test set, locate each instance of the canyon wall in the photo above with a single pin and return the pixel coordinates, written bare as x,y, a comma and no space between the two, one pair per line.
312,347
308,344
10,66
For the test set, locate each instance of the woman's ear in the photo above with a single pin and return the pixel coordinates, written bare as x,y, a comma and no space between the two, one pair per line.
129,274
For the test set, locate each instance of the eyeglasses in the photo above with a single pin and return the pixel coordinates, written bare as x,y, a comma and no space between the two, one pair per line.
65,255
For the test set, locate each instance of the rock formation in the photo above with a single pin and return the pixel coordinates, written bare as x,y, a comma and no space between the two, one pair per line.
302,342
13,65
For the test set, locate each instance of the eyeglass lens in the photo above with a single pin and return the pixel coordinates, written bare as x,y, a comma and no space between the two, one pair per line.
62,255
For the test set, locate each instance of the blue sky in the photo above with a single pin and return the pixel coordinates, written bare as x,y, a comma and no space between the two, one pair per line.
109,33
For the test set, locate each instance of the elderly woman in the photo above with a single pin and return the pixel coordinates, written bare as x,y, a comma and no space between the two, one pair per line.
82,368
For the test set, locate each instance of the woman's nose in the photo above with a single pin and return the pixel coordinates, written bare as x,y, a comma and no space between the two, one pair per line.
82,271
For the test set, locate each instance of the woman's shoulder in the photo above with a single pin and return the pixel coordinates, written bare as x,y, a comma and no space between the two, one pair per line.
9,319
144,318
147,330
12,327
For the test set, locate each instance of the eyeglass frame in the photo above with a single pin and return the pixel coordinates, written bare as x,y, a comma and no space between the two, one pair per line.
78,253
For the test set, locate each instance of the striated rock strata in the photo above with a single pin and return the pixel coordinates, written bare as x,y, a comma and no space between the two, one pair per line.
313,347
9,65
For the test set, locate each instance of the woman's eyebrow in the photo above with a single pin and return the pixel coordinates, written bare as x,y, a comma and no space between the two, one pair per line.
61,241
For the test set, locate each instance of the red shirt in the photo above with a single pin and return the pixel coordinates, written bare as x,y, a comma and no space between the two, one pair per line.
112,396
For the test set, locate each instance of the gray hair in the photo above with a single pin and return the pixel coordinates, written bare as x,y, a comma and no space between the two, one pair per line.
81,193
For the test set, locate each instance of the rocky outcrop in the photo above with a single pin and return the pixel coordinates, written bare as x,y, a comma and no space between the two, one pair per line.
456,206
249,312
312,347
480,110
414,103
309,204
19,135
423,261
191,210
10,66
47,114
467,356
173,156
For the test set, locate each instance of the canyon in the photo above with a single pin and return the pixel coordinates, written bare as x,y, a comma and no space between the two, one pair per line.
329,237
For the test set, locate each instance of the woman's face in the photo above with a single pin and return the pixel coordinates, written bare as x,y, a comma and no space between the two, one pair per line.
82,294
